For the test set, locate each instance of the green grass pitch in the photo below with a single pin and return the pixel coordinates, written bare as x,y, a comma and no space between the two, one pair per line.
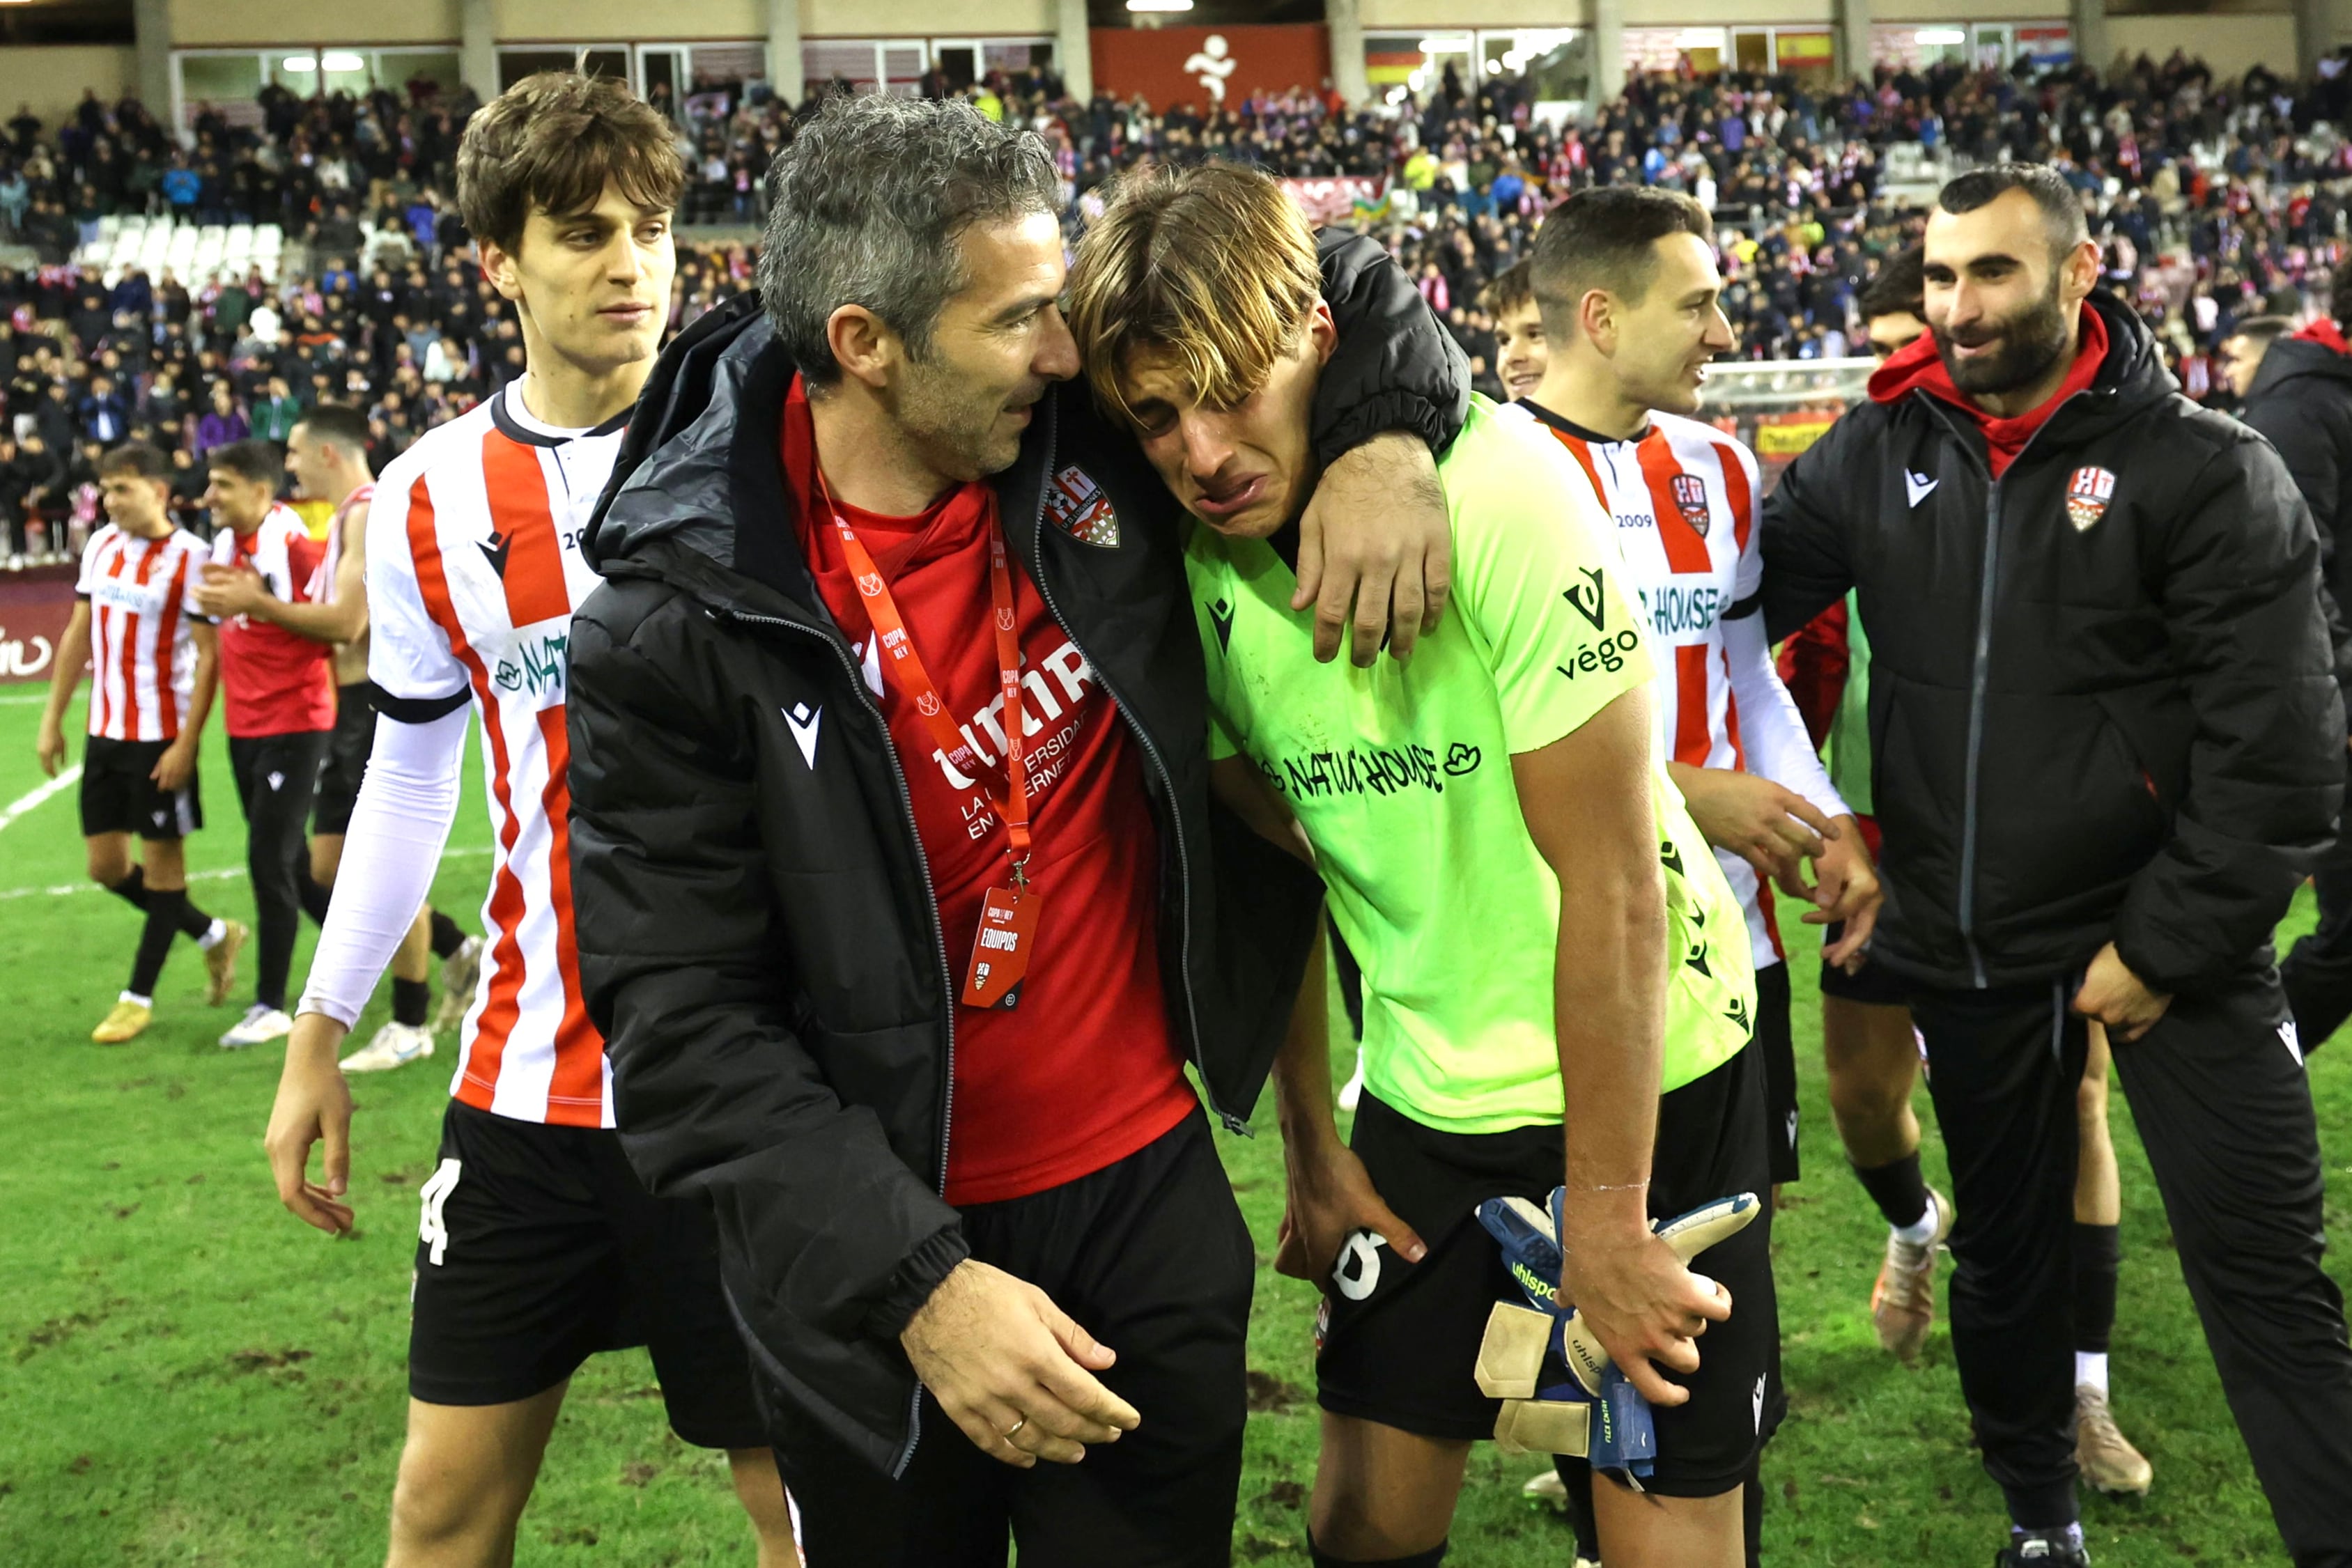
188,1376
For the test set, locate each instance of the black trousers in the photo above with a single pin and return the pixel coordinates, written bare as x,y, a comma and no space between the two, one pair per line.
2225,1112
2319,971
1149,1255
276,778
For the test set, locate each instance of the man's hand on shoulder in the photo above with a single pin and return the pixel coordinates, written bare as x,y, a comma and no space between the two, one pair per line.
1013,1370
1376,550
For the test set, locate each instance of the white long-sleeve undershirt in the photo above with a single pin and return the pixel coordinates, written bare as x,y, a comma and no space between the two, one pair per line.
397,832
1771,731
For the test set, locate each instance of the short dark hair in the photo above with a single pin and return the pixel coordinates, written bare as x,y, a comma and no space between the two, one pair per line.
2061,209
1603,238
137,459
339,423
252,459
1900,289
866,204
2264,328
1511,290
551,144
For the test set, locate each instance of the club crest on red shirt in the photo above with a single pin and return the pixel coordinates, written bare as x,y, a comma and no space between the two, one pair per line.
1690,498
2088,491
1076,504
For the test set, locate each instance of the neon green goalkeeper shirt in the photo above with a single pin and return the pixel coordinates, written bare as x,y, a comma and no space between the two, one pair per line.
1401,777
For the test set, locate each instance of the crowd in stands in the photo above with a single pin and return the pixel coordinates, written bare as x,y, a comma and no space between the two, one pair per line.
2215,201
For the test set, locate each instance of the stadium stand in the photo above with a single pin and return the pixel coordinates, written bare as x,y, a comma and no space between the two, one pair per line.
192,294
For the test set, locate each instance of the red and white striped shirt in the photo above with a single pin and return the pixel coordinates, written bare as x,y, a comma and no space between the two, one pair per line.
1686,499
473,568
143,657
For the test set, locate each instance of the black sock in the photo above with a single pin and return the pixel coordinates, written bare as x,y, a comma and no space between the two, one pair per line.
1897,1188
193,922
133,889
1576,1475
155,941
2096,1254
446,937
1322,1559
315,896
410,1001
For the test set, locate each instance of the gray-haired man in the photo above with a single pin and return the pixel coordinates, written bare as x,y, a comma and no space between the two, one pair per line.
890,716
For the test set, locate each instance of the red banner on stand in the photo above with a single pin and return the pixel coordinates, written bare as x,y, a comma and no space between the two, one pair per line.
1210,68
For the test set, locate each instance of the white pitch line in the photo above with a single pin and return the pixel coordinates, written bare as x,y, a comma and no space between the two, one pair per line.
224,874
24,701
26,802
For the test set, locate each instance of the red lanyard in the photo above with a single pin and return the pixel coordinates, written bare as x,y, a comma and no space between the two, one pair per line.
890,631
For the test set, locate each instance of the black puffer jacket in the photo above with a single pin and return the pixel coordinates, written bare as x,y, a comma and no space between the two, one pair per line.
2102,705
2302,400
758,936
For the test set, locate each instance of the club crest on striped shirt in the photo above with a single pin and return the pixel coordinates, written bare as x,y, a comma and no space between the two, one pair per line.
1076,504
1690,499
2088,491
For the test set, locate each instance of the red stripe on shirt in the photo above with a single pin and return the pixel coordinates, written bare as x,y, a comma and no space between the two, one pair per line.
1693,741
576,1093
126,650
167,631
1686,546
1734,490
517,487
1582,452
478,1085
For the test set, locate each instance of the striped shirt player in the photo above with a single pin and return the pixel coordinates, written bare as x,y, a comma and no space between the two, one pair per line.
1686,498
535,1238
143,651
151,653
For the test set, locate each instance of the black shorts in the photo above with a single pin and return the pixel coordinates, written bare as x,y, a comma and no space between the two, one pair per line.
1149,1255
348,745
119,795
538,1249
1776,1039
1400,1341
1873,985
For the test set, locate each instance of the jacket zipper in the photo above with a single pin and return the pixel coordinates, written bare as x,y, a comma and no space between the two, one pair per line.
1232,1123
1977,679
939,939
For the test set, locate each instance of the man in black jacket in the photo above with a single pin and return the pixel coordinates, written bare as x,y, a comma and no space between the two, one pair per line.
2302,398
813,855
2108,745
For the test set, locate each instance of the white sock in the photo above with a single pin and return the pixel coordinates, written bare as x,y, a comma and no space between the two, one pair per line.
135,997
213,933
1922,1231
2091,1370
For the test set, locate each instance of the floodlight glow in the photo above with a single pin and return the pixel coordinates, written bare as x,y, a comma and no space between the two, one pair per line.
1940,36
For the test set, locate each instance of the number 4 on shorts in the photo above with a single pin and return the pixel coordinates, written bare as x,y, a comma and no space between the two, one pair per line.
431,1229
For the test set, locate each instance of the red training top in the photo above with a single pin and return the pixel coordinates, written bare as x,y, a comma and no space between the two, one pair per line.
1084,1072
272,681
1917,365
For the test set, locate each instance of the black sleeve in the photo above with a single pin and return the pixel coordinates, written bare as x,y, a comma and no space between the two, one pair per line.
1803,547
713,1091
1396,367
2250,644
2308,433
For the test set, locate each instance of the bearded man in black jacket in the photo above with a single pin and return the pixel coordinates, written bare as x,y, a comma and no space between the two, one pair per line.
2108,745
817,865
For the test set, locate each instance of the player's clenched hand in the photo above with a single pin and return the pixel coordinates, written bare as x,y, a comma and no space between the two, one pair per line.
314,1105
1641,1302
1771,828
179,760
1376,550
1330,1197
1012,1369
1847,889
50,745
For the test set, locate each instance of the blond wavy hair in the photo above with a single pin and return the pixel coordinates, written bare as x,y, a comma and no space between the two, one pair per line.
1213,264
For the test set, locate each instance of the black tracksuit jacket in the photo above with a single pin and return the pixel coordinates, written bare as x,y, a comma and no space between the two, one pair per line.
2115,720
758,938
